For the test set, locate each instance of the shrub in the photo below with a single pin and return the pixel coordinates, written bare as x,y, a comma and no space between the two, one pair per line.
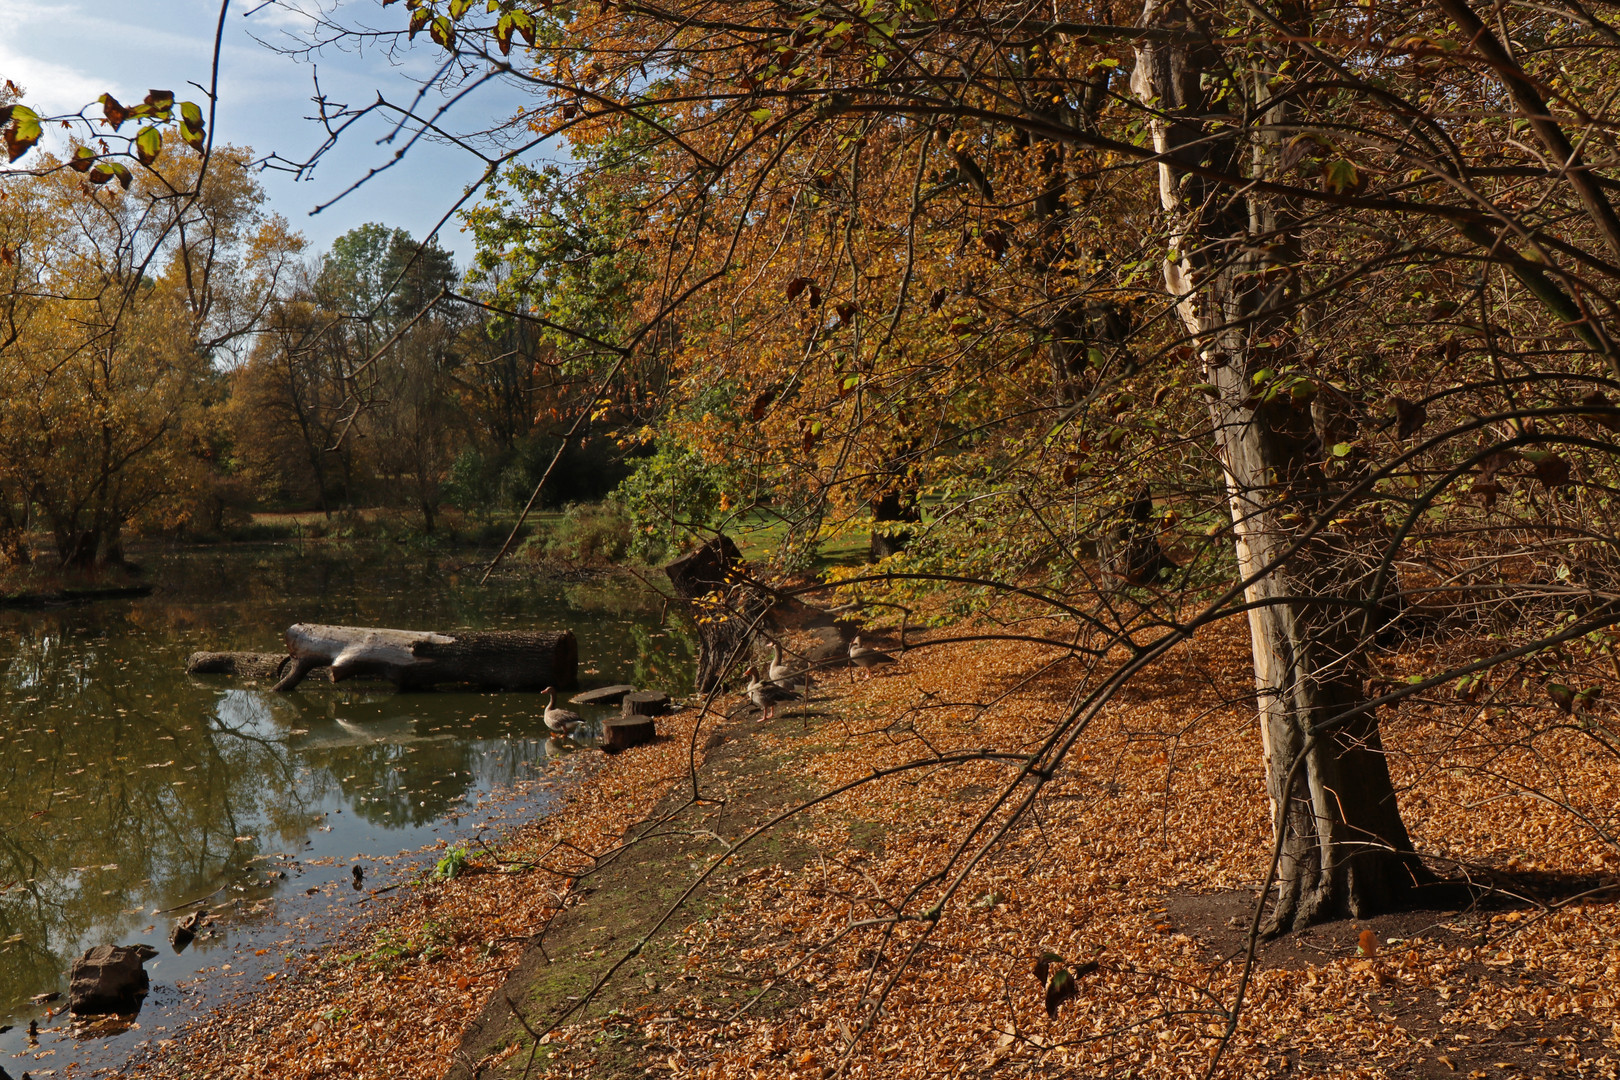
592,533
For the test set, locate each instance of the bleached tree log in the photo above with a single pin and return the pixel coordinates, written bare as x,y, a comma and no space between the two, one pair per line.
417,659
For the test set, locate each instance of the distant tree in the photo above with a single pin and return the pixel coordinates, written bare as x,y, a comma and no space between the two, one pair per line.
357,376
123,301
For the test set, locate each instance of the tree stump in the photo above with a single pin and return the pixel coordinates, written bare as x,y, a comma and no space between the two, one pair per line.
725,607
603,695
1130,552
646,703
417,659
628,731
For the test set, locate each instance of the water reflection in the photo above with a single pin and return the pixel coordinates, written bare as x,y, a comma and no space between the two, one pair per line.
127,787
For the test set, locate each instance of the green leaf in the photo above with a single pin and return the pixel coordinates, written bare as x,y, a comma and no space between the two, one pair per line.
759,116
1342,449
525,25
458,8
191,116
83,158
1265,374
194,137
148,145
157,105
419,19
23,131
503,34
443,32
453,863
111,170
1340,176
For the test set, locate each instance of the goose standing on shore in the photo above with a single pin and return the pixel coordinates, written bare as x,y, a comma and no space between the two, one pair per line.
560,721
767,695
865,657
795,680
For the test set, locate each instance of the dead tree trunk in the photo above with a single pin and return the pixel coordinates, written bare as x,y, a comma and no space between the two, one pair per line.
725,607
418,659
892,506
1345,849
1129,552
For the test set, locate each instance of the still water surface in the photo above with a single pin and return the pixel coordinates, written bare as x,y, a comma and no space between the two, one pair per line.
128,787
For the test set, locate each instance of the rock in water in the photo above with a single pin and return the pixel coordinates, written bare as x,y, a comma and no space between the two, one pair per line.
109,979
185,930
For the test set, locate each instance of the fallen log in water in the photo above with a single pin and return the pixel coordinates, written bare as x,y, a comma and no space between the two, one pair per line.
416,659
246,665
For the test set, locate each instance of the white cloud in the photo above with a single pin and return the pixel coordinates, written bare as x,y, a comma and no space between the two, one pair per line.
51,87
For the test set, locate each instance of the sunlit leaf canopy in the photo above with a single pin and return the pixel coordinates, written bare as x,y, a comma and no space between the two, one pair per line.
899,246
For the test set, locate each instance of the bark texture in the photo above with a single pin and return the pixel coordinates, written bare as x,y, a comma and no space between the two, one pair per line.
725,607
245,665
1344,848
1129,552
418,659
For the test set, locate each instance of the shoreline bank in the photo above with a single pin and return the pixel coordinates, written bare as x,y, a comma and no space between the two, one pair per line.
828,942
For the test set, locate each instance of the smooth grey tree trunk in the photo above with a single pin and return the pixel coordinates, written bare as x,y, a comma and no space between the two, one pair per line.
1344,849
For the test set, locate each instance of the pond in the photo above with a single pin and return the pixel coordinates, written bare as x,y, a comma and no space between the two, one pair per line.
128,788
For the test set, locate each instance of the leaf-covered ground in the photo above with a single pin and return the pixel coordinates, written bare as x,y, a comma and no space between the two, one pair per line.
1136,870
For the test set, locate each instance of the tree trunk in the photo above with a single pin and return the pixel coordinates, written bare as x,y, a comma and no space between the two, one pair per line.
1344,848
892,506
1129,551
13,544
417,659
724,608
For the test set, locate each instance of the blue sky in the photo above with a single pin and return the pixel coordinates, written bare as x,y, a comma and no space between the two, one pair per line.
66,53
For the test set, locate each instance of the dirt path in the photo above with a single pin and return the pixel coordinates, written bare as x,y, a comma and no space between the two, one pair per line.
746,779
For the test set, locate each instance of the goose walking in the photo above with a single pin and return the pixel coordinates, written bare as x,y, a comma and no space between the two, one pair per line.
865,657
765,694
560,721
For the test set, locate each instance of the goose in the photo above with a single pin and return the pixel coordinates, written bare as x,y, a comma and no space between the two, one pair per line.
560,721
794,679
766,694
865,657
